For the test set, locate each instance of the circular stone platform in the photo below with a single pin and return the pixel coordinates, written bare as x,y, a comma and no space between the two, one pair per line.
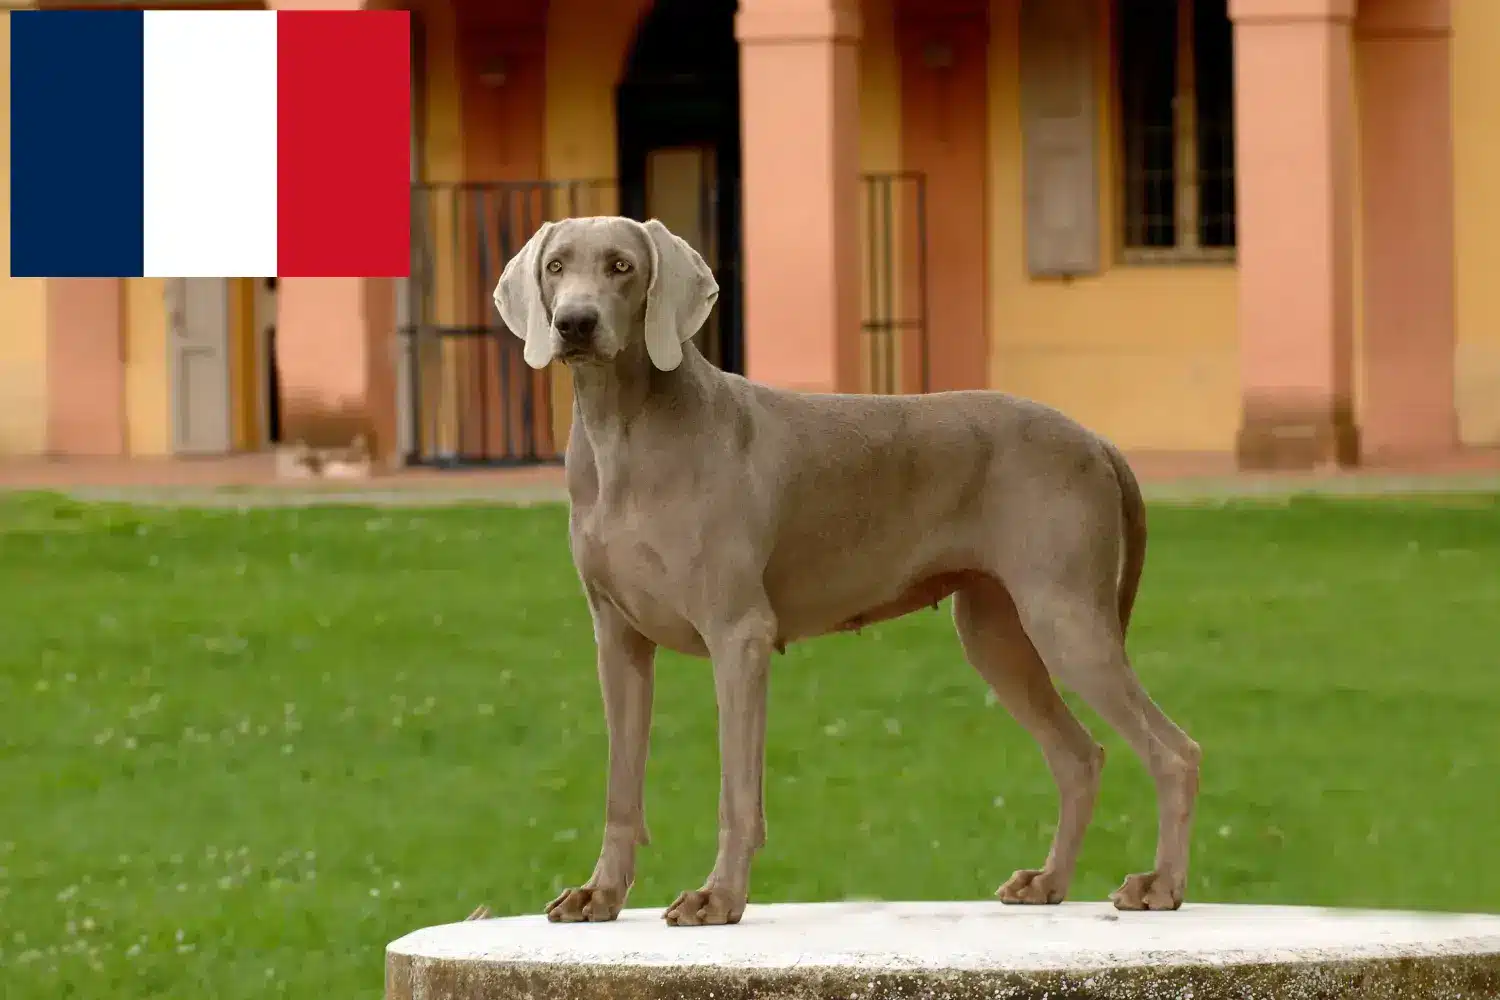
936,951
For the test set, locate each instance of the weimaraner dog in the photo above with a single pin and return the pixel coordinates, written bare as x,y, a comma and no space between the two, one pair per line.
718,517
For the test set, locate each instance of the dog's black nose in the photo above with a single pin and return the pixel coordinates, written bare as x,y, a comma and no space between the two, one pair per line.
576,324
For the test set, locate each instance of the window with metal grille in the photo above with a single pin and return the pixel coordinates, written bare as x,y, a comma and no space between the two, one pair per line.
1176,87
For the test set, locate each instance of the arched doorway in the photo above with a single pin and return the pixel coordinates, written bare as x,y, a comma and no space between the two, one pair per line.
678,115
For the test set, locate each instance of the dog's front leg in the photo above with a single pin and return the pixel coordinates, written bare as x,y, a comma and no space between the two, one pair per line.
626,676
741,655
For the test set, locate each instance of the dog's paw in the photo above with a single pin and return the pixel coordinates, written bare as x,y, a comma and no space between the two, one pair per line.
1031,887
586,904
705,907
1147,891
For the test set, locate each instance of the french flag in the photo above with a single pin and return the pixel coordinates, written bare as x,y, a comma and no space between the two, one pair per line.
210,143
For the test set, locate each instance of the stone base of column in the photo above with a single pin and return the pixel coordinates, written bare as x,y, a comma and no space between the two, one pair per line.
1290,434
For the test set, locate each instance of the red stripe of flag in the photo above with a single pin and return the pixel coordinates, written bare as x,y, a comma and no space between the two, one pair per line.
343,168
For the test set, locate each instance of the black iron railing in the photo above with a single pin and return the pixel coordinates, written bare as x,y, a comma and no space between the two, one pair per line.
893,238
469,398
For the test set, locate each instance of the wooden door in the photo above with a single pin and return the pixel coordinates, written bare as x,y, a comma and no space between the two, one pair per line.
680,185
198,315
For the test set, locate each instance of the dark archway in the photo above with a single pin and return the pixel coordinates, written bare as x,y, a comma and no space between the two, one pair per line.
678,114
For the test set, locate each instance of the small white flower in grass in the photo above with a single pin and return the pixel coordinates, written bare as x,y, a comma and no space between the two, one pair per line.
88,923
67,894
1225,831
374,893
286,749
999,802
181,935
226,882
130,743
182,887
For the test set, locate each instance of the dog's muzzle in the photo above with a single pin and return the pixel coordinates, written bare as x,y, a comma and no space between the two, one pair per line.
576,325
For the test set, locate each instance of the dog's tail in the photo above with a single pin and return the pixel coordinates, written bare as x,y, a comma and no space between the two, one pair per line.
1133,508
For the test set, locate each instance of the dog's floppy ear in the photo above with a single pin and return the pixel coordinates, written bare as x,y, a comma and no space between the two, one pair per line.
518,296
679,298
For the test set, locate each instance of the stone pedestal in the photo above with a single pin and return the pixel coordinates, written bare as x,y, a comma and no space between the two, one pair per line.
959,950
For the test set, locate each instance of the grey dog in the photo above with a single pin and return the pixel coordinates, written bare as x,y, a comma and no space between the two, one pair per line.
718,517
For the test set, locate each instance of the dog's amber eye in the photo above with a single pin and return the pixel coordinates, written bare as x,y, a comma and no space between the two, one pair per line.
622,266
555,267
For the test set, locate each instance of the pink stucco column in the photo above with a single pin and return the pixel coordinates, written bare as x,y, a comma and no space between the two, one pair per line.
336,345
1295,158
1407,403
85,367
800,179
335,354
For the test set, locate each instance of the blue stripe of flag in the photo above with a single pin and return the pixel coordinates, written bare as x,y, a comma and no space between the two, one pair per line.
76,143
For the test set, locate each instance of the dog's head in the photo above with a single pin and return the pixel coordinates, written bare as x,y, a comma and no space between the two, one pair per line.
586,290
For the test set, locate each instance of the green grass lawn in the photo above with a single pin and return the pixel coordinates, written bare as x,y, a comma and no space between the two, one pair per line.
241,751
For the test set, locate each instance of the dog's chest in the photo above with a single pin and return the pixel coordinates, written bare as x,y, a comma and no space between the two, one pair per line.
622,553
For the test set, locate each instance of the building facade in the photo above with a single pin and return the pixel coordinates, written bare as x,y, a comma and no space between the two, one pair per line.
1253,226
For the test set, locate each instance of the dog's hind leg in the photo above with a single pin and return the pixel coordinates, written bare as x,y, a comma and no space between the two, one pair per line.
997,646
1076,630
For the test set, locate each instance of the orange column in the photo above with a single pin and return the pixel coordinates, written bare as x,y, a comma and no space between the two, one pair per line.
944,46
85,366
1406,176
502,73
1295,154
799,117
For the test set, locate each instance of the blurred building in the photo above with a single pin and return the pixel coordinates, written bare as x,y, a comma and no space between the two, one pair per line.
1254,226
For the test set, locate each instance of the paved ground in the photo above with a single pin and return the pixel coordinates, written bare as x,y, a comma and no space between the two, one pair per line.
251,480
